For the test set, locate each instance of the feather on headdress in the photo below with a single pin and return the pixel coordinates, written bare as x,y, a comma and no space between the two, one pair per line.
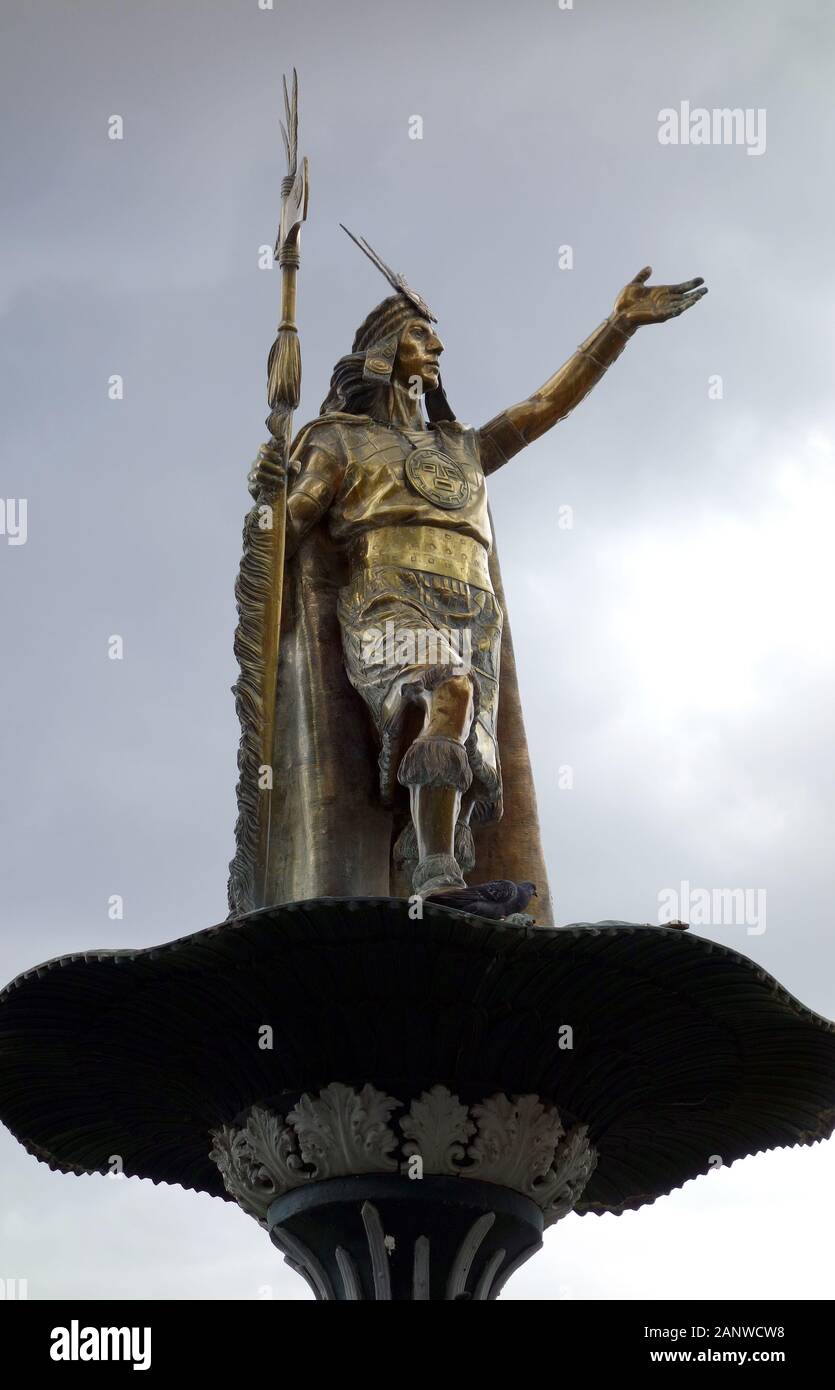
397,281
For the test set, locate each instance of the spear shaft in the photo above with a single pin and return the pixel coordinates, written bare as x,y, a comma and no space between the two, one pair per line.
284,373
260,587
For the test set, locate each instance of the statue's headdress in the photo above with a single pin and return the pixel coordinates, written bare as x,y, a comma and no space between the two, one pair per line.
376,341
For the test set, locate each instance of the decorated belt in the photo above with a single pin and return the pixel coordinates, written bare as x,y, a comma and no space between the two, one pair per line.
429,548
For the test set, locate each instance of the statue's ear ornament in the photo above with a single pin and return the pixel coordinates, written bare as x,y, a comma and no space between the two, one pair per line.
396,281
379,360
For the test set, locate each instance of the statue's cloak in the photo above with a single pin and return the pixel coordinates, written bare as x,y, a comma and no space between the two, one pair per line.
330,836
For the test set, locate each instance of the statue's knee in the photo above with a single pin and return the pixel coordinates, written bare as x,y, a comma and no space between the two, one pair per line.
459,686
453,694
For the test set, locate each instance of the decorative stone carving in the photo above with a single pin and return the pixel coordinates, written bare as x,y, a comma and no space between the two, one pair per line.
339,1133
345,1132
517,1142
437,1128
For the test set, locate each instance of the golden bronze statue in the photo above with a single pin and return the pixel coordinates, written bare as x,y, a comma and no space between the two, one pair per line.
311,1056
394,644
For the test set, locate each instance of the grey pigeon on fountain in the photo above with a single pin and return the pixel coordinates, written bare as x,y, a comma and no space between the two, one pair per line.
501,901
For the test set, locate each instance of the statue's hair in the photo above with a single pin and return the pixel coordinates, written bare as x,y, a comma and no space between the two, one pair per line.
348,390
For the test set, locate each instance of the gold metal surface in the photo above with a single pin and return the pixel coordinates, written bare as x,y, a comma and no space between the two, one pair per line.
382,492
428,548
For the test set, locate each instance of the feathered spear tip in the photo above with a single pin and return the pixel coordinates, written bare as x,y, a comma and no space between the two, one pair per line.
284,365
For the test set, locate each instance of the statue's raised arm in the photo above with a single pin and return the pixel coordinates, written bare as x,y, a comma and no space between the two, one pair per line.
636,305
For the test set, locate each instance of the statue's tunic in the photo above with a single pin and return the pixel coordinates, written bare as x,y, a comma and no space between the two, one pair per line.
409,509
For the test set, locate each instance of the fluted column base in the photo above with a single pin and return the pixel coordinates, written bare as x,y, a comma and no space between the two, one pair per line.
388,1238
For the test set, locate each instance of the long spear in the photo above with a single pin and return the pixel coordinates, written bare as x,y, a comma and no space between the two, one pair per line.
260,585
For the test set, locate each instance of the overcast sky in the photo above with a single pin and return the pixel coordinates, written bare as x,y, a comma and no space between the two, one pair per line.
674,646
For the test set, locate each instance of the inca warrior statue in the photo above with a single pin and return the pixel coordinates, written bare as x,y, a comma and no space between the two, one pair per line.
384,778
395,759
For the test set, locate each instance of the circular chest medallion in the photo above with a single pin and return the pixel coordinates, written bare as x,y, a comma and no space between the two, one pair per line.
438,478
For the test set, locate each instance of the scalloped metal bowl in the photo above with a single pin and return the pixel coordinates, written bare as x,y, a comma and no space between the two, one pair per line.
681,1048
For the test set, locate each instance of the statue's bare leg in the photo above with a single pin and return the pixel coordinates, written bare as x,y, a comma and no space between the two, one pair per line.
437,772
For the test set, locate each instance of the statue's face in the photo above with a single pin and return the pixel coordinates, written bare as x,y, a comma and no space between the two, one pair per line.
417,354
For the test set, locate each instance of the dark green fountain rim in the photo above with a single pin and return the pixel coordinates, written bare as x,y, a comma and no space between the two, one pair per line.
683,1049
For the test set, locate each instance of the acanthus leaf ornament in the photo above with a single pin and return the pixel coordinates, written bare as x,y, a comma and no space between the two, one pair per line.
517,1138
342,1131
517,1142
437,1128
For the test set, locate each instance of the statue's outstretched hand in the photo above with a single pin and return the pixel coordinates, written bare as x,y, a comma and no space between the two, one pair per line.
639,303
268,469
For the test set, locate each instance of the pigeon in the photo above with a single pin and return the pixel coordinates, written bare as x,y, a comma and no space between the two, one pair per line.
501,901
